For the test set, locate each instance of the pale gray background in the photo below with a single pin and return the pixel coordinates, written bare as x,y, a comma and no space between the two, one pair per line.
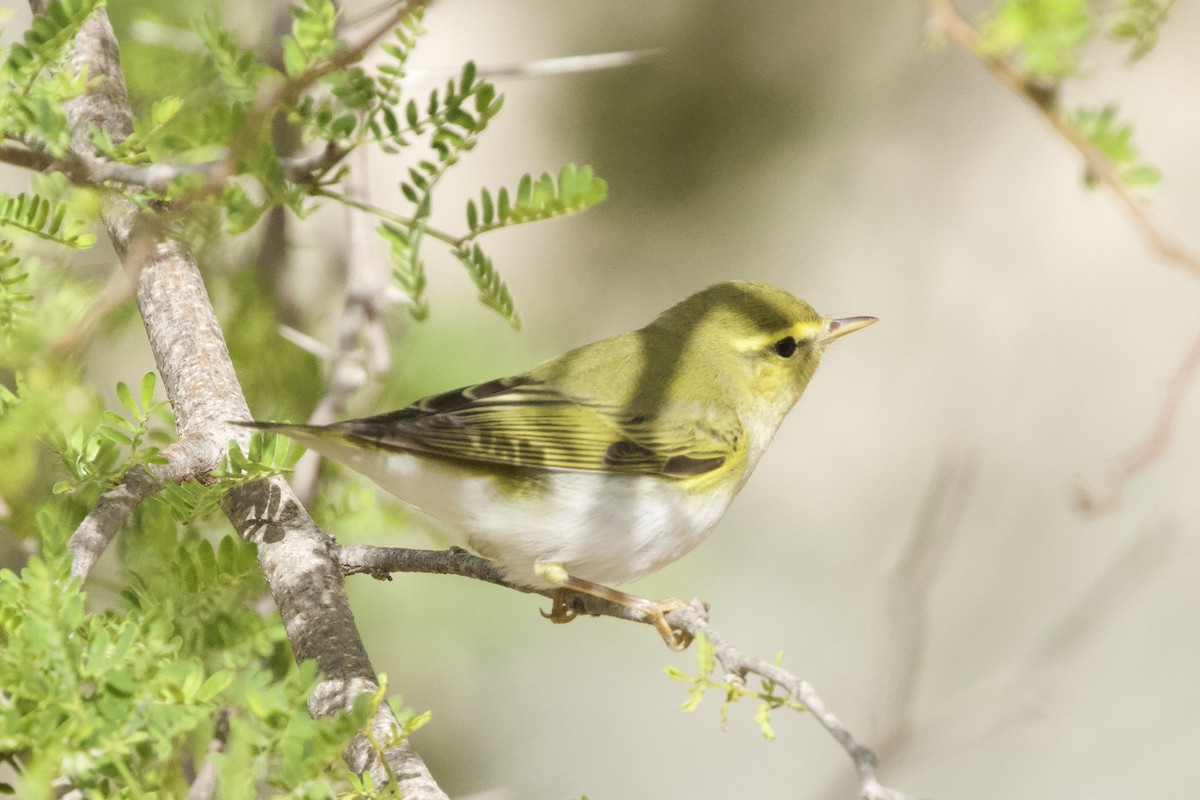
1026,338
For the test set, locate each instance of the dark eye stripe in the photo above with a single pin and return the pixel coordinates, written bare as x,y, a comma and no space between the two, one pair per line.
785,347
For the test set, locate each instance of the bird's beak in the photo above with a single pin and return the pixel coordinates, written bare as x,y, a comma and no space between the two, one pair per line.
840,327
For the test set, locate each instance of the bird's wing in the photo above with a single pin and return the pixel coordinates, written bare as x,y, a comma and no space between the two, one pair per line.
522,422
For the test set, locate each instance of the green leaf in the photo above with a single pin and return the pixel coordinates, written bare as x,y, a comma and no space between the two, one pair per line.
762,715
126,397
493,292
1114,139
42,218
1045,36
147,389
408,269
114,435
574,190
489,211
1137,24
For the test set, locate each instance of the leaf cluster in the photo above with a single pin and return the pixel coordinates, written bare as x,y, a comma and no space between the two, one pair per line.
36,78
43,218
1047,39
734,688
127,699
1115,139
98,459
126,703
268,455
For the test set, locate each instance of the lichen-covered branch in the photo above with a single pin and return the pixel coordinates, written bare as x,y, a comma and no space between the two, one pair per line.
93,170
193,360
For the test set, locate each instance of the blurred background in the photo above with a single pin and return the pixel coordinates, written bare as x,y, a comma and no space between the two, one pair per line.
911,542
1027,336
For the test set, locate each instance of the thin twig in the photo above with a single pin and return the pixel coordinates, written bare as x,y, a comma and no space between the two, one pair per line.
945,19
912,580
207,780
94,170
1017,692
360,351
692,619
1126,466
543,67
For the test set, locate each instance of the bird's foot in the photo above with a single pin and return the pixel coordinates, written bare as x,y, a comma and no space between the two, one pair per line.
561,611
655,612
652,611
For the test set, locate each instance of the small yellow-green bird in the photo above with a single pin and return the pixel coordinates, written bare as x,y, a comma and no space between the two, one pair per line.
611,461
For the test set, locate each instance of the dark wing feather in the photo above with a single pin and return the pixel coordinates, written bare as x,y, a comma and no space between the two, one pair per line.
522,422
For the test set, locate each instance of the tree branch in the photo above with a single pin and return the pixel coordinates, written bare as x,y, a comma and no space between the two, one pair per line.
193,360
186,458
93,170
692,618
945,20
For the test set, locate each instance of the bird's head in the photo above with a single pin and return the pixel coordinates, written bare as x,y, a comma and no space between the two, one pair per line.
751,342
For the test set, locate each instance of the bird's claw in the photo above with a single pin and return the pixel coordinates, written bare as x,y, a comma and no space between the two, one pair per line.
656,614
561,612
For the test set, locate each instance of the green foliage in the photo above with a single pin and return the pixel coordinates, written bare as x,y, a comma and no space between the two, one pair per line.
97,460
452,129
1137,22
1115,140
36,79
13,299
1045,41
333,108
407,267
268,455
1047,36
769,696
44,219
126,703
312,40
47,36
493,292
122,695
576,189
236,69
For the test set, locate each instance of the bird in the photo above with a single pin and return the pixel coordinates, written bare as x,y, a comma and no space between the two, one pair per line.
609,462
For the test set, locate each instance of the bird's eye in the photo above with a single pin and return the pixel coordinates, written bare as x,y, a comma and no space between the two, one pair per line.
785,347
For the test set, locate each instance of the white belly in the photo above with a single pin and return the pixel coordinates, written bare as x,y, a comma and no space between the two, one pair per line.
603,528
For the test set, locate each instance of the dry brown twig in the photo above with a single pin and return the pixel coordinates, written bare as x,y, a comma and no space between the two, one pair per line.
1125,467
911,582
945,20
